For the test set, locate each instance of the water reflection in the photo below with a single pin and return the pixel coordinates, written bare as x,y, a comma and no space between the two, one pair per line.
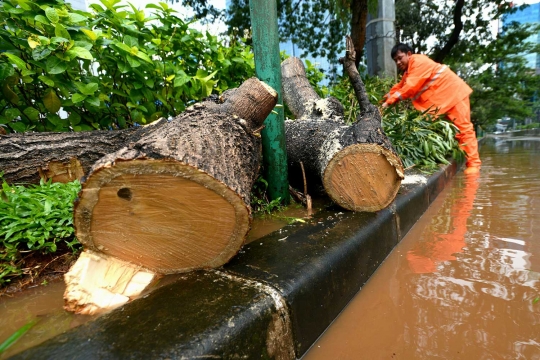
463,283
445,239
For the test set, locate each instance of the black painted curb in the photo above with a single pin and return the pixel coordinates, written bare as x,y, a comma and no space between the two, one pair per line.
273,300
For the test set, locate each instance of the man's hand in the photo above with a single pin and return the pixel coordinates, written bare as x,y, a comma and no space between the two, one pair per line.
385,105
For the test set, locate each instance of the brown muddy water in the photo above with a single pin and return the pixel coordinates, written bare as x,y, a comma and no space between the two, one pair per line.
464,282
44,304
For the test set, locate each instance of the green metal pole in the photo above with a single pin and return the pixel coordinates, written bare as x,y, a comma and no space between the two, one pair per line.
268,69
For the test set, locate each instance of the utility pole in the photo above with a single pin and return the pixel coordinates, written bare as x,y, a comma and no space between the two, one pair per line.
380,38
268,69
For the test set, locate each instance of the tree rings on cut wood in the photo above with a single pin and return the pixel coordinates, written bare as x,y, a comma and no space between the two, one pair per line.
166,216
357,165
363,177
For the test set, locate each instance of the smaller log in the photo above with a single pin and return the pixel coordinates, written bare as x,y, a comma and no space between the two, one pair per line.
356,164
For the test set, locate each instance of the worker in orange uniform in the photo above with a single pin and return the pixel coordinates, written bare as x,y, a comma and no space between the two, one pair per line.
434,86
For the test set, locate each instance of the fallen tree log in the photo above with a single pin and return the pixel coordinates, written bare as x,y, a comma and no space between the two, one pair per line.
62,157
356,164
174,200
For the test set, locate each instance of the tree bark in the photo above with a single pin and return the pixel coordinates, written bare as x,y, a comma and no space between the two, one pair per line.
356,164
175,198
359,12
64,157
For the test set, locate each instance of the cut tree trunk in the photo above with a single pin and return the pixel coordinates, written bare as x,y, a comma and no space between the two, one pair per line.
62,157
356,164
177,198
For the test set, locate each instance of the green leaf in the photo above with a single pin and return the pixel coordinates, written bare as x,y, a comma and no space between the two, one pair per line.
16,335
131,41
90,34
132,61
76,18
60,31
33,41
122,46
144,57
12,113
52,15
9,94
5,71
55,120
87,89
77,98
80,52
181,78
51,101
19,126
16,60
40,54
92,100
42,19
84,44
32,113
46,80
55,65
74,118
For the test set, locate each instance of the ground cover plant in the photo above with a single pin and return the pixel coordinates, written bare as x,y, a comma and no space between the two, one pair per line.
35,218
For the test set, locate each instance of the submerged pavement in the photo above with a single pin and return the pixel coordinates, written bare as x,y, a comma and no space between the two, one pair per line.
271,301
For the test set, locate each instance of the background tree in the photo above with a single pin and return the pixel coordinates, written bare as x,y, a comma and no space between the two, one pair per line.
503,85
316,27
443,28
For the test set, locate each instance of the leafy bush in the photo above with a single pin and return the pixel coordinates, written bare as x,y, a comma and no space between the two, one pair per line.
107,69
34,218
419,138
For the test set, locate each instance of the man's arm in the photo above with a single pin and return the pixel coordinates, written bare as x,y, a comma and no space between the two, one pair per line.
418,73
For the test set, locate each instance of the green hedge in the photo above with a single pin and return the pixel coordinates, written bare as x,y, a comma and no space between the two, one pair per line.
111,68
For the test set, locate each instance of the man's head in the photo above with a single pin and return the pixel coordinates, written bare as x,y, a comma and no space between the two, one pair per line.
401,53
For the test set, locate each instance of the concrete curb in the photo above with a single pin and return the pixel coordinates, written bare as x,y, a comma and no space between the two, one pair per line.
273,300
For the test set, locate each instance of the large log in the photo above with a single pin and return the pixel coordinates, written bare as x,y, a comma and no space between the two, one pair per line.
356,164
174,200
64,156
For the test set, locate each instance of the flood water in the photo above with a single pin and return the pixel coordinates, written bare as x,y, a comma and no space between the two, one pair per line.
464,282
43,305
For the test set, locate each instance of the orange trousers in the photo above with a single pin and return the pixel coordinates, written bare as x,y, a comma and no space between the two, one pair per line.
460,115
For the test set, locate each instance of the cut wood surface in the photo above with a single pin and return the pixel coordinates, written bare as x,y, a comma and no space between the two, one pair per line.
356,164
177,197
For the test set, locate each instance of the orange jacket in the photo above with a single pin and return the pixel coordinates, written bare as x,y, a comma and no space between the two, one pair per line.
429,85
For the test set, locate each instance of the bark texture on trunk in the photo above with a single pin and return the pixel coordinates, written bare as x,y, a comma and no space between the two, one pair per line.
177,199
300,97
173,198
356,164
66,156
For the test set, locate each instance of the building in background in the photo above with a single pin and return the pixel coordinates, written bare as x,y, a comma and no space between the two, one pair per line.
529,15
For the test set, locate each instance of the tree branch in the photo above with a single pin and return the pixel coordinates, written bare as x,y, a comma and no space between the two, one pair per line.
454,37
367,109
